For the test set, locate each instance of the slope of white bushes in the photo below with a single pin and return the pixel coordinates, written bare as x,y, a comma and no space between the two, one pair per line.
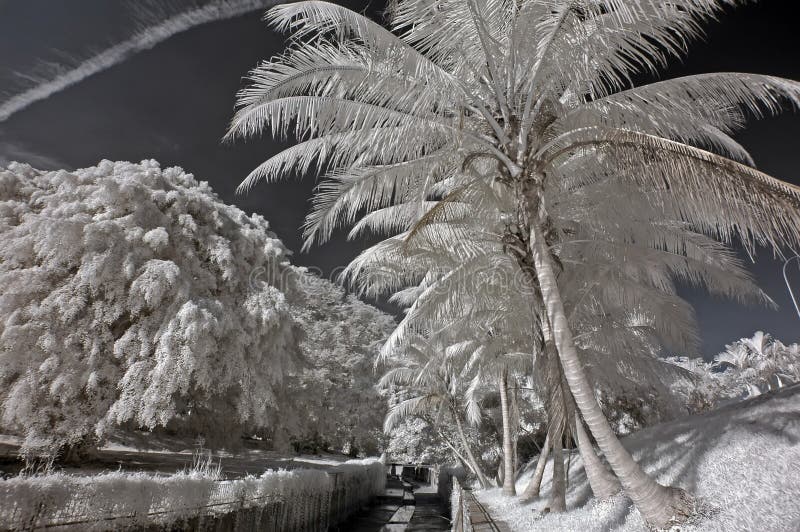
742,461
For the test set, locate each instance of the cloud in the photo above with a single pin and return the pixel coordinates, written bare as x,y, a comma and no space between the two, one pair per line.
142,40
15,152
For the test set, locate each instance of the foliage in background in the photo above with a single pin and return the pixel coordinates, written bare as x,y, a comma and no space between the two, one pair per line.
415,441
747,368
334,396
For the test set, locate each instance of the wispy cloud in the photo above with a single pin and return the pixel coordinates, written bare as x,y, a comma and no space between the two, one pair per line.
143,40
16,152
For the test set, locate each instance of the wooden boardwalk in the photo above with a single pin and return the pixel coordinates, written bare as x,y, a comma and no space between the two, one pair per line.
470,514
480,518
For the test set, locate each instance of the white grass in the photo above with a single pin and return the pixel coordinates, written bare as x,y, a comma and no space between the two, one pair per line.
743,461
139,499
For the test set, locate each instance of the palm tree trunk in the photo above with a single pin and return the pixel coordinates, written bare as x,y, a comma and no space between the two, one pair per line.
508,445
515,431
464,461
659,505
484,482
532,489
558,489
603,482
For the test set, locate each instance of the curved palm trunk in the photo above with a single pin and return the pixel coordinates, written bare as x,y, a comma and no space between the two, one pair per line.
482,479
532,489
602,481
659,505
558,489
508,445
464,461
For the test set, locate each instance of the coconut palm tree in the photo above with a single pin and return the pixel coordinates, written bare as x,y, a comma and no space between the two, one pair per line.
432,387
587,258
603,315
531,96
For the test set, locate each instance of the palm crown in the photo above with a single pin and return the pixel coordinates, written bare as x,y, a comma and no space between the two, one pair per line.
532,86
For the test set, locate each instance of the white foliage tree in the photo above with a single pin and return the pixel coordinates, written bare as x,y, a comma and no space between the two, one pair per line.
334,394
747,368
416,441
127,296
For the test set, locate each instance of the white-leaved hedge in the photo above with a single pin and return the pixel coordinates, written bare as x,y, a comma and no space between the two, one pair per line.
308,497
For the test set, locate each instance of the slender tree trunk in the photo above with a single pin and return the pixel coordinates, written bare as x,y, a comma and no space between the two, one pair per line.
461,458
659,505
532,489
508,445
515,430
558,489
603,482
484,482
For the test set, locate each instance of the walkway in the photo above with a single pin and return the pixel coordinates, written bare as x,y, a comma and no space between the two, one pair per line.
430,511
480,518
405,507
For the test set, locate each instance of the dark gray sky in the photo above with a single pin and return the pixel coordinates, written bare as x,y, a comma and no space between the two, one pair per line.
172,103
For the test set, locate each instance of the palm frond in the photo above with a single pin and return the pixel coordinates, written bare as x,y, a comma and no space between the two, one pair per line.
721,196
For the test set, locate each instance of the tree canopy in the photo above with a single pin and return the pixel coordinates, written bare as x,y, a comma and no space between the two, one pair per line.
133,296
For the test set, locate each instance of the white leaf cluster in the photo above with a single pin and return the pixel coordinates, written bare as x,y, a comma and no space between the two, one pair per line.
127,296
747,368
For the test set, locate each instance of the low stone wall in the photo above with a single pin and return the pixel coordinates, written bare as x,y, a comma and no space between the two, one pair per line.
447,474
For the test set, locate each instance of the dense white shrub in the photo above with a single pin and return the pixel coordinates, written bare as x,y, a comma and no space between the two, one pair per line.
751,366
127,295
748,367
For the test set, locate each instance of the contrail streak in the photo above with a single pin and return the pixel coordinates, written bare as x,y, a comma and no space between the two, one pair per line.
149,37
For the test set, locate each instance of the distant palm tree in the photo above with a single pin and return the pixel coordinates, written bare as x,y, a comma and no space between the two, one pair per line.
527,96
759,364
434,388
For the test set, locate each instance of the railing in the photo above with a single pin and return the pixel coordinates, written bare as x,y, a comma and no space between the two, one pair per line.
459,510
469,515
303,500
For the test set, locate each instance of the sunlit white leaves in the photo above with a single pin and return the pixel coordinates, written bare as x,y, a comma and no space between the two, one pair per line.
127,297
